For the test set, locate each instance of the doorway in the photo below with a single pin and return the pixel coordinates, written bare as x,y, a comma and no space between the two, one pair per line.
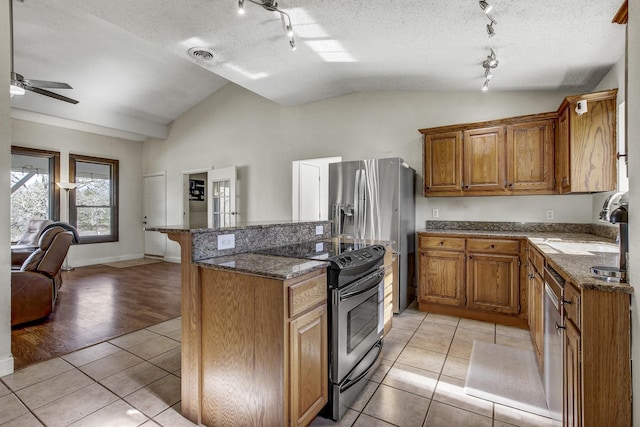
310,195
209,198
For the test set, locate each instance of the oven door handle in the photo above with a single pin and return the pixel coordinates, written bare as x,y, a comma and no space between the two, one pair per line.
350,382
376,279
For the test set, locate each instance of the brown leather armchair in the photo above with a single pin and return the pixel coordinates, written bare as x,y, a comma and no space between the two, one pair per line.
34,288
28,242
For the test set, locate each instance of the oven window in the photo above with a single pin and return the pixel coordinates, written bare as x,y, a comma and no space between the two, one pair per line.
361,322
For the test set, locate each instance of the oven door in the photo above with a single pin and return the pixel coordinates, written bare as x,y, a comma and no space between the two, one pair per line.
357,322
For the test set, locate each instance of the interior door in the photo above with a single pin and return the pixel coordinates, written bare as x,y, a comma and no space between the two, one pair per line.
222,198
155,214
309,199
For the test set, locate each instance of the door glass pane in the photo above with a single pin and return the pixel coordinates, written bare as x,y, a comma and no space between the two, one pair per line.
31,188
93,198
362,321
221,199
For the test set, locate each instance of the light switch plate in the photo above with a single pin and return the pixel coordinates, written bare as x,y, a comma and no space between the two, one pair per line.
319,230
550,214
226,241
435,213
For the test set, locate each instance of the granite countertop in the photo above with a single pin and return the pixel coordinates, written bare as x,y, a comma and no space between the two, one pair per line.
276,267
571,254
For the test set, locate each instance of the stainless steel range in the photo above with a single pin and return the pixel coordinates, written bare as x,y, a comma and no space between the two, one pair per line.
356,311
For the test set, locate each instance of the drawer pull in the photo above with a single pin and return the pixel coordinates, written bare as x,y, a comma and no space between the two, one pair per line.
567,302
493,246
441,243
559,327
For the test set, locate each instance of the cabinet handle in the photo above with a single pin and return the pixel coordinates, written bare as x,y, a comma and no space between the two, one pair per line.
441,243
493,246
470,256
426,188
531,276
466,186
559,327
567,302
511,185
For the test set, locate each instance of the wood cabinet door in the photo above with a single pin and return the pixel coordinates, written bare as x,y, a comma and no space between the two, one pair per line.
484,160
441,277
563,153
442,162
530,156
309,359
492,282
592,137
572,378
538,316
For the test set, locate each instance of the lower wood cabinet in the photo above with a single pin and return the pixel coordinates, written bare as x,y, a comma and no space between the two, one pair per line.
572,392
441,279
470,277
492,282
264,352
308,369
535,265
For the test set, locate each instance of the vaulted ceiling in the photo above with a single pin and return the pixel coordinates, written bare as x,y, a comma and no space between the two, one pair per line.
128,64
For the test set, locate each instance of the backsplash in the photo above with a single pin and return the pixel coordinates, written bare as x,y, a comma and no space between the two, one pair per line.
533,227
255,237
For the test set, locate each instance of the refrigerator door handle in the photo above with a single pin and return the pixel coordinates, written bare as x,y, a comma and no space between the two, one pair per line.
356,204
363,204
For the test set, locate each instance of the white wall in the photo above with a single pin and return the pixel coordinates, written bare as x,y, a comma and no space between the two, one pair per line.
129,153
237,127
6,360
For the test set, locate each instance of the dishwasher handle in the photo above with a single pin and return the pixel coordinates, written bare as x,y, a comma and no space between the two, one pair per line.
552,296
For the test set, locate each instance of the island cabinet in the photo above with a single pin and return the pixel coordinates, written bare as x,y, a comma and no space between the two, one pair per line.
502,157
586,144
535,274
597,366
477,278
264,348
390,277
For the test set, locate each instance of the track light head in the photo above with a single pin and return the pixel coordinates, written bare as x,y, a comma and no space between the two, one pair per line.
490,30
289,29
292,43
485,86
240,7
486,7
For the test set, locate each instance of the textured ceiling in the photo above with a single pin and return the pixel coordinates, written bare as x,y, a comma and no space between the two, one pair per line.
127,60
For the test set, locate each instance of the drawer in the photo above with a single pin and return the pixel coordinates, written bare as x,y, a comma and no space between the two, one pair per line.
493,246
572,303
536,259
435,242
306,294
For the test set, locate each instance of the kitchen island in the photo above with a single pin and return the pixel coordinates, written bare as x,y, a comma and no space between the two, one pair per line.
254,327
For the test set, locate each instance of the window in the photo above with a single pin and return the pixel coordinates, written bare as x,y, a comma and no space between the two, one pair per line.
93,204
34,194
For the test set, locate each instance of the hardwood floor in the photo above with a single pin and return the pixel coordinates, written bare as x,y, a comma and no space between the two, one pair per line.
97,303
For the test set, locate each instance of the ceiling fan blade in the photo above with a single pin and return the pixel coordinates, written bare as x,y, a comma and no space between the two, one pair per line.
50,94
46,84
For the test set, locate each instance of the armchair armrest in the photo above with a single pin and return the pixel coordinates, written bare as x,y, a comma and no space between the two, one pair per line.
31,296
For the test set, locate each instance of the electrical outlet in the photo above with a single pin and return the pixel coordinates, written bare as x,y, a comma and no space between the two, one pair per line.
226,241
319,230
550,214
435,213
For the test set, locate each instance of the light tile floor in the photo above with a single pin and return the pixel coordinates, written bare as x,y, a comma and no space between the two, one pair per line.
134,380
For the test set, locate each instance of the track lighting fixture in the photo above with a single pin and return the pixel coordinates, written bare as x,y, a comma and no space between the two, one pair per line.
488,64
487,8
272,6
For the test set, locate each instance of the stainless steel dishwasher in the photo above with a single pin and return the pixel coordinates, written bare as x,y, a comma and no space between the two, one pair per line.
553,338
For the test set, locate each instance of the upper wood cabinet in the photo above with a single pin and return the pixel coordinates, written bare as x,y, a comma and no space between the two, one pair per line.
530,149
548,153
484,159
586,145
501,157
443,162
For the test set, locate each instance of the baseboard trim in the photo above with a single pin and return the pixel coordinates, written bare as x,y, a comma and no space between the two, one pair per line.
172,259
105,260
6,366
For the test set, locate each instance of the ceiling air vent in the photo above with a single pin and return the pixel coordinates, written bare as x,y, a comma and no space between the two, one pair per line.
201,54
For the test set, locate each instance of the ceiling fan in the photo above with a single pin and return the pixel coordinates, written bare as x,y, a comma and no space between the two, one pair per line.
19,85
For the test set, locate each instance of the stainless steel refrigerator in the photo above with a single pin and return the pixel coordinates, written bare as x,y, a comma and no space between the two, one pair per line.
375,199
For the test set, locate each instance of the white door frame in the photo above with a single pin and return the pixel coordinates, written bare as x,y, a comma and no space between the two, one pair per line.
185,193
323,163
150,175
